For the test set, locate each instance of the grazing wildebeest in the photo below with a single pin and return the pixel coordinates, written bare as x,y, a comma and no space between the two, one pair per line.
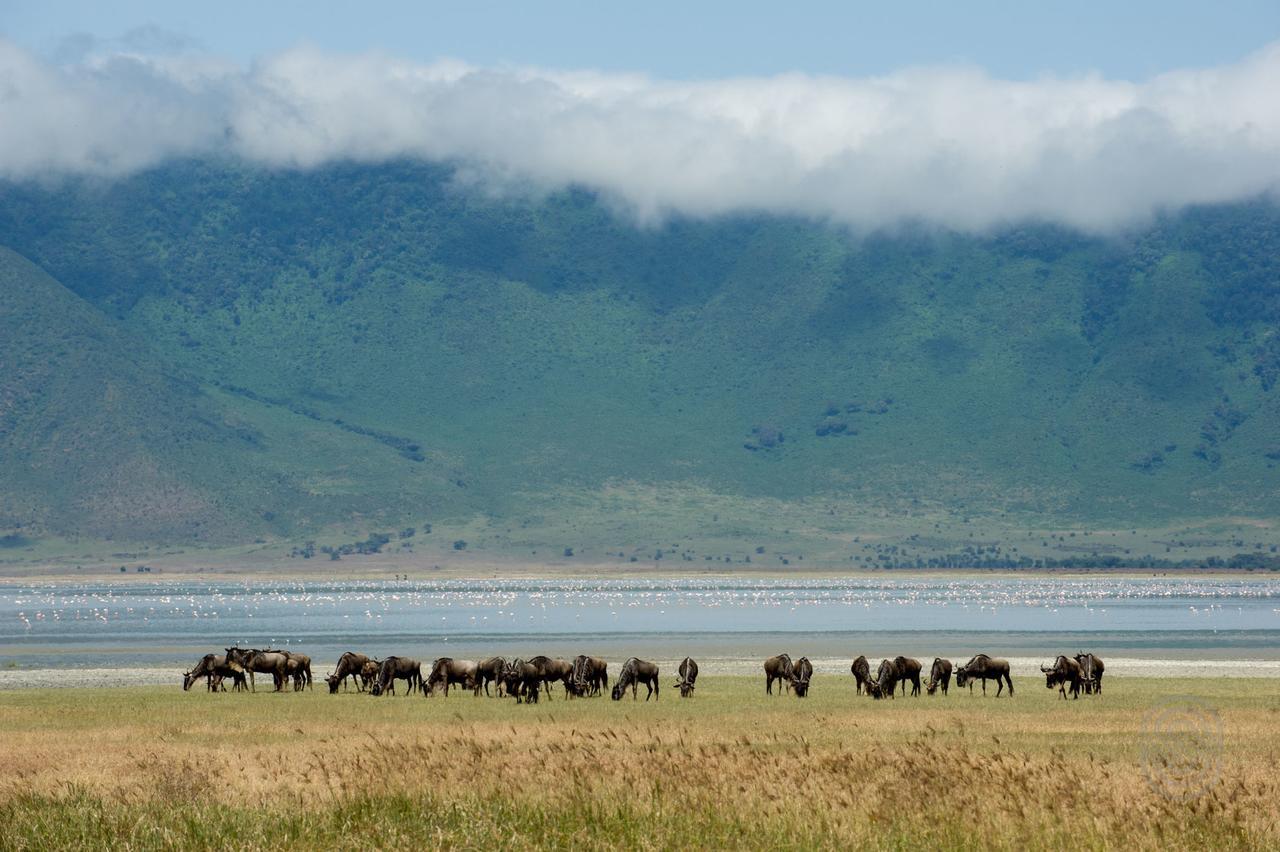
369,673
886,680
349,666
908,670
490,671
861,673
447,671
1093,669
688,676
213,666
635,672
1063,673
590,675
985,668
777,668
553,670
263,662
523,680
398,668
939,676
801,674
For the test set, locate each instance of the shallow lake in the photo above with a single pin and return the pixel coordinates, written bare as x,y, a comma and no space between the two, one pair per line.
167,624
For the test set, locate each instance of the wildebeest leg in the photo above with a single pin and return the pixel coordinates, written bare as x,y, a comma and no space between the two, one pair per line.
984,686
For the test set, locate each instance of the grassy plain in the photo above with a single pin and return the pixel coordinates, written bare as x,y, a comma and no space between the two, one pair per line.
158,768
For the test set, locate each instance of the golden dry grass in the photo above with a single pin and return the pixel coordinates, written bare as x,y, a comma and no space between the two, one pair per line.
729,767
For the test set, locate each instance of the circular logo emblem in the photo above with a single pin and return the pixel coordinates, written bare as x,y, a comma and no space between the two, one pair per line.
1180,746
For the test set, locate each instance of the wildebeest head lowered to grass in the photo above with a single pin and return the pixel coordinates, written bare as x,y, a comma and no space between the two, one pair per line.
446,672
552,669
688,677
397,668
1065,672
939,676
886,680
801,674
1093,669
777,668
984,668
349,666
213,666
635,672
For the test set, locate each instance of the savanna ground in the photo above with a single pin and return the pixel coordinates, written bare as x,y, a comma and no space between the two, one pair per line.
1153,763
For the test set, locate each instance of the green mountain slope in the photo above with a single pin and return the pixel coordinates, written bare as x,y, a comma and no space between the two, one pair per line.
454,354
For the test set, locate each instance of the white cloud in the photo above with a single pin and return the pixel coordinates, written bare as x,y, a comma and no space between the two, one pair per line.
950,146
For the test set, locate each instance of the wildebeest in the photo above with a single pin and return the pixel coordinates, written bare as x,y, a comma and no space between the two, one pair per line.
349,666
801,673
447,671
885,681
940,675
985,668
263,662
490,671
553,670
295,670
1093,669
304,666
523,680
590,675
777,668
908,671
398,668
369,673
635,672
1063,673
861,673
688,676
213,666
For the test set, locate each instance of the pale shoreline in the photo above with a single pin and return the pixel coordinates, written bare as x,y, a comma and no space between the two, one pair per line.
1024,668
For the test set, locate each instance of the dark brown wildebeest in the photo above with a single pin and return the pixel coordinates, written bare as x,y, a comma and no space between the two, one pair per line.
295,671
490,671
940,675
590,675
777,668
688,676
801,674
304,666
213,666
349,666
908,671
885,681
369,673
635,672
553,670
1063,673
861,673
263,662
397,668
446,671
523,680
985,668
1093,669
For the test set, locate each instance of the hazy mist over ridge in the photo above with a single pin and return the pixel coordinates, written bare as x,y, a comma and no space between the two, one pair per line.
949,146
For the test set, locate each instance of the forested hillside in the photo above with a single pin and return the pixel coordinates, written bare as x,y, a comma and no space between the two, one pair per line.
216,352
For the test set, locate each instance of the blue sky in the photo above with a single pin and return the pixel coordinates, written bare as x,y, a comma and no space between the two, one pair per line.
696,40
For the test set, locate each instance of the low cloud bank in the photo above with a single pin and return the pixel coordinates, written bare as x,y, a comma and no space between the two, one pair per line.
949,146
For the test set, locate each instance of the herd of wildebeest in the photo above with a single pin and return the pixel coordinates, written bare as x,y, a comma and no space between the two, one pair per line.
586,676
